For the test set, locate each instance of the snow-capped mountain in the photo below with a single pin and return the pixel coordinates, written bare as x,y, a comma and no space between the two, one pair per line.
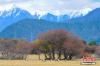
14,14
8,17
78,13
86,27
84,24
8,12
54,18
71,13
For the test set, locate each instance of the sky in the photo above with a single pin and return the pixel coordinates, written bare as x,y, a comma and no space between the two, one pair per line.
57,6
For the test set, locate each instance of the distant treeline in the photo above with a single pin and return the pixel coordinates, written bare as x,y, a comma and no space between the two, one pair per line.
51,43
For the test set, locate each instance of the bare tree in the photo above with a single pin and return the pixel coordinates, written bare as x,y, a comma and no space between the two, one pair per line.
61,42
73,47
10,48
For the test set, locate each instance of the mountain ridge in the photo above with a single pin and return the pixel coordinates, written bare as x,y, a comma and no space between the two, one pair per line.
86,27
14,14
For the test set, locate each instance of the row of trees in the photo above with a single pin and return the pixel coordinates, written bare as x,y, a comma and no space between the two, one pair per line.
60,42
14,49
53,44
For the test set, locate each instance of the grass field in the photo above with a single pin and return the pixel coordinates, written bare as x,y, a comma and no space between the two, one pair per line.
42,63
31,62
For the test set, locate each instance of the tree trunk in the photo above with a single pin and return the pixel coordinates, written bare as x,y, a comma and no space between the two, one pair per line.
65,55
45,54
59,54
53,54
70,57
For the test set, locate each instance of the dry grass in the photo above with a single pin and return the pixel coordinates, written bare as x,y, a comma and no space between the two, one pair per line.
32,60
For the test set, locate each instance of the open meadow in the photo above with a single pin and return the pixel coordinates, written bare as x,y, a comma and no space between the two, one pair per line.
33,61
42,63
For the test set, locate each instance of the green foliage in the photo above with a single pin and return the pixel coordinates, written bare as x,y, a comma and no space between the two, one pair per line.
92,43
38,42
42,44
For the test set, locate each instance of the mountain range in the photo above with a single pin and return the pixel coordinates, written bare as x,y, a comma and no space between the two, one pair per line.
14,14
29,27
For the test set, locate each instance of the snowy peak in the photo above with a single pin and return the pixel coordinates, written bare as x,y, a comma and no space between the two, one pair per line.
19,13
78,13
12,15
16,10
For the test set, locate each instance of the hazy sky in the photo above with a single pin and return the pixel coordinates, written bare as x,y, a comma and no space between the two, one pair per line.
50,5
